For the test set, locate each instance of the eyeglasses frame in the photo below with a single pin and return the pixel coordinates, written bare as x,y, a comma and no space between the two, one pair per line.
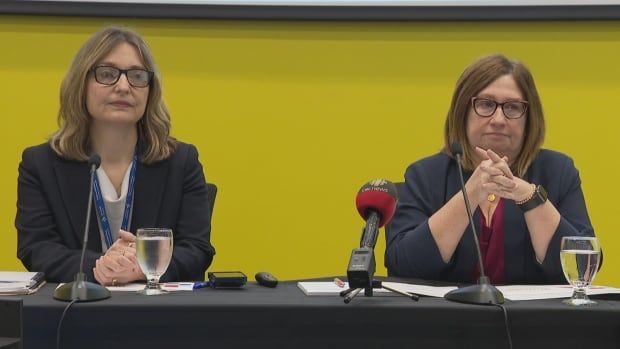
122,72
498,105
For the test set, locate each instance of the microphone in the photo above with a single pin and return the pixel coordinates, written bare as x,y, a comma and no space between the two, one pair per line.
483,292
81,290
376,203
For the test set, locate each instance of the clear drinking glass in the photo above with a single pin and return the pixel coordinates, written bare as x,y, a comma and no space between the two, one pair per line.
154,251
580,257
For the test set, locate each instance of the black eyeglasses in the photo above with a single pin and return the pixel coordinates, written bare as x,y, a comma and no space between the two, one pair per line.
136,77
486,107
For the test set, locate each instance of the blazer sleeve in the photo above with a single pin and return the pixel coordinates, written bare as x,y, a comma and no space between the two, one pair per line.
193,252
411,250
41,246
570,203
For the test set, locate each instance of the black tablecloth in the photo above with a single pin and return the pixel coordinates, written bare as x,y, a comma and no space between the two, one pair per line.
259,317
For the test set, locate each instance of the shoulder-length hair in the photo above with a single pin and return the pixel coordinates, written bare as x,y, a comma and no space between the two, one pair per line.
473,80
71,140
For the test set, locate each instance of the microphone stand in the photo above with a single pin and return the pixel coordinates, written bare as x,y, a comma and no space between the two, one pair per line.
483,292
376,202
361,269
81,290
351,293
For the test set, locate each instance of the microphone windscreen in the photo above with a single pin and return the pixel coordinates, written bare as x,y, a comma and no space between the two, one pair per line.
379,195
94,160
456,149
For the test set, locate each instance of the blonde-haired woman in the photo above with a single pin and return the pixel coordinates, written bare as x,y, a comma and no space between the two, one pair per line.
111,105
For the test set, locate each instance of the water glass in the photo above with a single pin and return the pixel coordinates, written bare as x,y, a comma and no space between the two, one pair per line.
154,251
580,257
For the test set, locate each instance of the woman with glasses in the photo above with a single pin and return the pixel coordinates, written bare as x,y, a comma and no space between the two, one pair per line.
524,199
111,105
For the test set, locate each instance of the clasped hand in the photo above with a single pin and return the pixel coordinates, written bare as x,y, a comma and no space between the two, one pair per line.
119,265
493,176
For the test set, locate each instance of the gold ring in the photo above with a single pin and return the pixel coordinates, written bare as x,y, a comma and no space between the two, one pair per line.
114,282
131,245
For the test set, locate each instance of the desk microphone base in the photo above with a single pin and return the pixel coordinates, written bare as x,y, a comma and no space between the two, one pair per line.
81,291
482,293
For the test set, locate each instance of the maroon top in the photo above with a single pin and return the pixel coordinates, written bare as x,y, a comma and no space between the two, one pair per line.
492,245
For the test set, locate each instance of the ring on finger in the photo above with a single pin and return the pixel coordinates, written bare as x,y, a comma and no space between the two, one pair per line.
114,282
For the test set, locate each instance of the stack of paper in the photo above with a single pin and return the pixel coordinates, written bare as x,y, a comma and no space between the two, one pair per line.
19,283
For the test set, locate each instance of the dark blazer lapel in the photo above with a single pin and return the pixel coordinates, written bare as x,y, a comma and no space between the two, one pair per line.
73,182
149,190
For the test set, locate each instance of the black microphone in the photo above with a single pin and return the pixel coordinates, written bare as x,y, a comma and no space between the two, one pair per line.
483,292
81,290
376,203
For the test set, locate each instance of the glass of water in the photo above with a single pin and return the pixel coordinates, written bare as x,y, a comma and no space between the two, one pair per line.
580,257
154,250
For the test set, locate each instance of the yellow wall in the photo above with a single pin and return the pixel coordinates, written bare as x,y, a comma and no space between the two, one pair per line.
291,118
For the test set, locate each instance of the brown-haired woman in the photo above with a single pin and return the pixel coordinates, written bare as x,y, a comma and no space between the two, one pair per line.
111,105
525,198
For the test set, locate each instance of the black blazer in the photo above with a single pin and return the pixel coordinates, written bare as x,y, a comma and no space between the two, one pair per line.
52,199
411,250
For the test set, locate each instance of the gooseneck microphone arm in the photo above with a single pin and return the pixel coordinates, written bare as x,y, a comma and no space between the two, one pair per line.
483,292
81,290
471,218
94,163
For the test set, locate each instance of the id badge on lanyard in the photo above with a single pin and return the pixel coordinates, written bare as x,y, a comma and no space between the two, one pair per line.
100,206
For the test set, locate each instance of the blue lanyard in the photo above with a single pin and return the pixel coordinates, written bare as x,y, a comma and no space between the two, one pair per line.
101,212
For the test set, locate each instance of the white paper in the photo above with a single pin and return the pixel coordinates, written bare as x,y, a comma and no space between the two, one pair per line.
135,287
321,288
168,286
326,288
18,282
12,287
423,290
531,292
11,276
512,292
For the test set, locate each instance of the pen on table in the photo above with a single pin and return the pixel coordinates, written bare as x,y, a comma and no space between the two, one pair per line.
346,292
177,284
36,279
202,284
410,295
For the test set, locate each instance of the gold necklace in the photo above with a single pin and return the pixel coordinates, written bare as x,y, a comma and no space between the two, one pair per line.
491,197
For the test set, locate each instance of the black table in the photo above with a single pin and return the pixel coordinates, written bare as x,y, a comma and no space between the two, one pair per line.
258,317
10,323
